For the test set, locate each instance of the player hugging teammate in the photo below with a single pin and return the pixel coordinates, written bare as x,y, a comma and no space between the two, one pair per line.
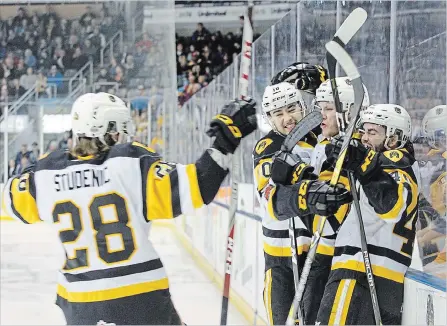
380,156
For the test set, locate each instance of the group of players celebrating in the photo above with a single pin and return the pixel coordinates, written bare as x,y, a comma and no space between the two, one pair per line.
103,194
382,159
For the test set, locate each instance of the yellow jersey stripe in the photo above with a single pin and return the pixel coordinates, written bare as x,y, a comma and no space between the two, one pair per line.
110,294
377,270
196,196
158,196
23,203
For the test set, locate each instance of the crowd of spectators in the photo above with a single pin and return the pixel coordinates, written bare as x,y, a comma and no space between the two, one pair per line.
203,56
43,48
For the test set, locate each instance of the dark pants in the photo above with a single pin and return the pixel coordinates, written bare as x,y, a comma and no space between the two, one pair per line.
348,302
152,308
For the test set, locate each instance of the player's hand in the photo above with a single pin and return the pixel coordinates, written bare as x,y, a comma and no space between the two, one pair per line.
236,121
361,160
303,75
318,197
289,169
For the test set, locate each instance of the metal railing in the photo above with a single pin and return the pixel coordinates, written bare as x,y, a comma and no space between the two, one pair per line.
111,46
85,71
22,101
137,21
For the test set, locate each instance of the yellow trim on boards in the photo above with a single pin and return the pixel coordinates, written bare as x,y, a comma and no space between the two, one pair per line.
241,305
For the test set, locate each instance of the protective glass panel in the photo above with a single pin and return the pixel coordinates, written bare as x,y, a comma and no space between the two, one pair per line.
420,88
370,47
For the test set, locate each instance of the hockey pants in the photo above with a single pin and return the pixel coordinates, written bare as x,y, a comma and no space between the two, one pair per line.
152,308
279,290
348,302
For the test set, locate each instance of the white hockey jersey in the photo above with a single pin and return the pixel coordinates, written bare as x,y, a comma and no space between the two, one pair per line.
276,238
389,206
102,208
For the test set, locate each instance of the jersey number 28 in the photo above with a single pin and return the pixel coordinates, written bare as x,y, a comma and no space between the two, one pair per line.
102,230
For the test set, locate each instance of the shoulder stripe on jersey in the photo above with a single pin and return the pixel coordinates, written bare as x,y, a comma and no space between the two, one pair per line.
176,205
115,271
23,202
284,234
375,250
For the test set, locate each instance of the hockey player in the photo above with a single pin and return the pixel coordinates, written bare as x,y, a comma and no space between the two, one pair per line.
386,171
102,197
283,107
318,276
432,214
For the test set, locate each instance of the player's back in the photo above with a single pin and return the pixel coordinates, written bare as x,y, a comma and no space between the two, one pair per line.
99,207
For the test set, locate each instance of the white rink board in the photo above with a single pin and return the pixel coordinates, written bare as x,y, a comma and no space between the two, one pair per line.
210,223
29,262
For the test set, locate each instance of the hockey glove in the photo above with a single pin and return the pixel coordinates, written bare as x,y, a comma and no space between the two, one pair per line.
361,160
289,169
236,120
317,197
304,76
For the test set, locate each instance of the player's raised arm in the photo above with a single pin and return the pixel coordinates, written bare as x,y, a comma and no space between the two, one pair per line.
171,189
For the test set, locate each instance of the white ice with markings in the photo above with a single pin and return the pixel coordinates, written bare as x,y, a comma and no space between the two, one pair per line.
29,262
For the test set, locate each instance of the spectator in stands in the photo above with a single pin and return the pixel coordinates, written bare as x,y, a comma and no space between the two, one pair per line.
130,67
11,168
15,90
200,36
55,77
30,59
79,59
139,57
42,84
87,17
140,101
28,80
23,152
52,146
97,38
145,43
35,152
3,94
103,77
90,50
119,77
63,143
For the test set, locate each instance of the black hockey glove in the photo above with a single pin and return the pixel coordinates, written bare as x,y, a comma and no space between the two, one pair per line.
304,76
236,120
289,169
318,197
361,160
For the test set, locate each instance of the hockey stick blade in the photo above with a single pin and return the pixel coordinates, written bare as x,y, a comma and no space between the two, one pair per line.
345,61
350,26
302,128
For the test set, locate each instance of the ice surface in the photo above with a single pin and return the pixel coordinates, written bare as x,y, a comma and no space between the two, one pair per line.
29,262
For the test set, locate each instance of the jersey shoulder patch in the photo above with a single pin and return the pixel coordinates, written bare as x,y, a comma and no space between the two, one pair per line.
396,158
134,149
267,146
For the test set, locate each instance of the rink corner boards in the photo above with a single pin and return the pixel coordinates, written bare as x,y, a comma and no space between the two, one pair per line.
242,306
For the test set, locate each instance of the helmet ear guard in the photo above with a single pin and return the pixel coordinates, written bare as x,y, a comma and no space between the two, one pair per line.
394,118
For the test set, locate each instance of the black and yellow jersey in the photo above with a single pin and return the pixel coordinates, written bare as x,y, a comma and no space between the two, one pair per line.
434,180
324,170
389,206
103,207
277,246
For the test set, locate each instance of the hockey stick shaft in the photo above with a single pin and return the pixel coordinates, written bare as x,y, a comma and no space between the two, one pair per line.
344,34
365,252
247,40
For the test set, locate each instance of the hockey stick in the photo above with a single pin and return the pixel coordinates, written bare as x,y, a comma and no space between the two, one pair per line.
342,123
247,40
344,34
302,128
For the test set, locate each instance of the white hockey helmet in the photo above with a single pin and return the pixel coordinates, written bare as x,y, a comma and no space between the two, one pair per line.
278,96
95,115
394,118
345,93
434,125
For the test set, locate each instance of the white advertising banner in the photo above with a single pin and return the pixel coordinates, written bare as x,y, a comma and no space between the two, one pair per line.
216,14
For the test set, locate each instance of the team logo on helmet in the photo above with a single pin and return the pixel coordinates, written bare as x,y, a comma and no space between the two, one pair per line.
398,110
439,111
112,98
348,81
